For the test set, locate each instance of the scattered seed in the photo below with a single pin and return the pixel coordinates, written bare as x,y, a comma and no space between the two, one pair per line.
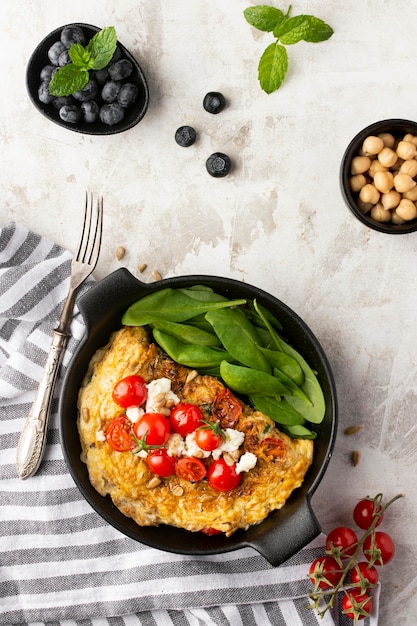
193,374
351,430
153,482
142,267
156,275
356,455
163,410
228,458
177,490
120,252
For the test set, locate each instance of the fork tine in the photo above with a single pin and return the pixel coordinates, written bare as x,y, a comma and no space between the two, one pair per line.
90,241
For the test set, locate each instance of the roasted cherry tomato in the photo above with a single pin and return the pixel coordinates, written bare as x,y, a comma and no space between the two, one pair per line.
363,573
226,408
160,463
153,428
326,572
190,468
223,477
274,447
344,540
185,418
209,437
119,434
211,531
364,514
130,391
379,548
356,605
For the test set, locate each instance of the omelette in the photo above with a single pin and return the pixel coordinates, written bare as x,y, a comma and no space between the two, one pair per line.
279,463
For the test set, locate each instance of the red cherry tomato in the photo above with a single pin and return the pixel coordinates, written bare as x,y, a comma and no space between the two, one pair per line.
223,477
119,434
160,463
154,428
364,514
343,539
185,418
362,573
208,439
379,548
211,531
226,408
356,605
325,571
190,468
130,391
274,447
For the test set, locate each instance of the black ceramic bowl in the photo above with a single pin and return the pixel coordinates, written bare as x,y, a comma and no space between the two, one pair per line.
39,60
283,532
396,127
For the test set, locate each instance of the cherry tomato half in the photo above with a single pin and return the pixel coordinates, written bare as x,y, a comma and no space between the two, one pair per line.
185,418
211,531
208,439
119,434
379,548
274,447
160,463
130,391
223,477
343,539
226,408
190,468
356,605
364,514
325,571
154,428
363,573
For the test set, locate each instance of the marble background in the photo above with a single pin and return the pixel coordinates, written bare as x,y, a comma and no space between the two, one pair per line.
277,221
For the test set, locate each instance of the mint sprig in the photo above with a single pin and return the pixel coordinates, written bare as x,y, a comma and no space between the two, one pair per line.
287,30
95,56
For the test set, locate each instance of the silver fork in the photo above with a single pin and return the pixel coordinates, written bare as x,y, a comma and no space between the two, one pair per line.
32,440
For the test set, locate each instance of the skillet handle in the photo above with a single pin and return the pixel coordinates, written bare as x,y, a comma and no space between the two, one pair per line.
294,532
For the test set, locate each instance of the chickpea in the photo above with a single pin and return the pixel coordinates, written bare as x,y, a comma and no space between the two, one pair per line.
379,214
390,200
364,207
375,167
369,193
360,164
357,182
372,145
411,138
384,181
409,167
396,219
411,195
388,139
406,210
387,157
406,150
403,182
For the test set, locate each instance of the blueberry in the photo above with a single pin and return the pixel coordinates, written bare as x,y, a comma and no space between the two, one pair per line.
117,55
43,93
54,51
64,58
101,76
110,91
90,111
185,136
70,113
214,102
89,92
72,34
127,95
120,70
112,113
47,72
218,165
63,101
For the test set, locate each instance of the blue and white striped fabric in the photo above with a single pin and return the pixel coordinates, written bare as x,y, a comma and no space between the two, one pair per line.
60,562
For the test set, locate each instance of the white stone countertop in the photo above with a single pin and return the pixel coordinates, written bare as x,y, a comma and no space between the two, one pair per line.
277,221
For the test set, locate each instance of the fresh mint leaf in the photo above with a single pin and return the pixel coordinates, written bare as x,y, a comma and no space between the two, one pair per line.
263,18
273,67
292,30
317,30
67,80
101,47
80,56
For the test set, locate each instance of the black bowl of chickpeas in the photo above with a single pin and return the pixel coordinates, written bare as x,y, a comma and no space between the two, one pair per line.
378,176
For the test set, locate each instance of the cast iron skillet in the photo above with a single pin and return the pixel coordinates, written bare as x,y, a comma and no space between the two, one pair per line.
283,532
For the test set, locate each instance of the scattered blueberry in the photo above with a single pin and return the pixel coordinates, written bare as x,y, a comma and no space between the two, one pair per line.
110,91
63,101
72,34
218,165
89,92
185,136
101,76
120,70
127,95
214,102
43,93
47,72
90,111
70,114
112,113
54,52
64,58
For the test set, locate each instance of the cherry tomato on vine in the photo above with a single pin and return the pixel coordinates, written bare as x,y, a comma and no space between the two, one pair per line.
223,477
364,514
226,408
379,548
356,605
325,572
343,539
190,468
209,437
154,428
119,434
160,463
185,418
130,391
363,572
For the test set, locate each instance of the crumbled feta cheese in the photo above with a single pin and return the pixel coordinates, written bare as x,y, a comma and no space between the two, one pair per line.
134,413
155,389
100,436
232,442
175,445
246,462
192,449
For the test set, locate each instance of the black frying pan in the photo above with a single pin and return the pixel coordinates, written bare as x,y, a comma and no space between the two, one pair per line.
283,532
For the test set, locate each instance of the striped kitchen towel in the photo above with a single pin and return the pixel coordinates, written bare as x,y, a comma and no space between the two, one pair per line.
60,562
